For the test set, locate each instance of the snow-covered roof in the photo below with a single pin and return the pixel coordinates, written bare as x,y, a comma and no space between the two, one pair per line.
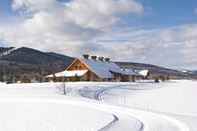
143,72
104,69
69,73
129,72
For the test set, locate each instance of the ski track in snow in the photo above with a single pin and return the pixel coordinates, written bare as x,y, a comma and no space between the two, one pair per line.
38,93
49,126
125,118
151,121
179,103
161,123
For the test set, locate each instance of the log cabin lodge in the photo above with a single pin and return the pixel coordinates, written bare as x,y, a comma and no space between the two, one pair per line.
94,69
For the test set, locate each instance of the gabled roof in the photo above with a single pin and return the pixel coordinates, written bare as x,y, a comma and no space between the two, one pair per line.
104,69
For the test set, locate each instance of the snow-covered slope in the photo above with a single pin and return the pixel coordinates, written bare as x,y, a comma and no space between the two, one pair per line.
30,107
172,99
176,99
152,121
146,106
42,107
40,115
6,51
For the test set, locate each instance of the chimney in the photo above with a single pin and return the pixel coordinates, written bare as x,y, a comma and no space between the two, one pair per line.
101,58
94,57
107,59
86,56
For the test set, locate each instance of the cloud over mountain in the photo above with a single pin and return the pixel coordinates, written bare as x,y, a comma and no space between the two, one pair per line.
97,27
68,26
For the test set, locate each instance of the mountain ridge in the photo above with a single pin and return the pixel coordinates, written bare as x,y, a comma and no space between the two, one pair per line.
30,62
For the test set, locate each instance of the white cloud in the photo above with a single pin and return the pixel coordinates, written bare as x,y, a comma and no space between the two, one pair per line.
64,27
100,14
172,46
82,26
34,5
86,13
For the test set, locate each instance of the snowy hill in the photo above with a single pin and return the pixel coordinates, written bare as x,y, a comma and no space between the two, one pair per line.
32,56
156,70
30,62
20,61
6,50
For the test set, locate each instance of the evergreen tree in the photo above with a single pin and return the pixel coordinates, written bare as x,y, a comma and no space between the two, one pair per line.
1,76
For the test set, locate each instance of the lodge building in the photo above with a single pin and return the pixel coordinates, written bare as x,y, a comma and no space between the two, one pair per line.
94,69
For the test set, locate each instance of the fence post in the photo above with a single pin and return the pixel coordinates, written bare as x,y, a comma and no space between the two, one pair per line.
64,88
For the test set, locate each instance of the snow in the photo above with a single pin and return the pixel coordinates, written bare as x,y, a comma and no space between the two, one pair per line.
177,97
2,83
103,69
144,105
43,107
144,72
69,73
40,115
161,122
8,51
165,106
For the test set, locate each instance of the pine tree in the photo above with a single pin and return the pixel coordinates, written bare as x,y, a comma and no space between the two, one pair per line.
1,76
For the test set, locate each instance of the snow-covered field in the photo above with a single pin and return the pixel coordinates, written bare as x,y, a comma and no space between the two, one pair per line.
32,115
177,97
30,107
168,106
40,107
174,99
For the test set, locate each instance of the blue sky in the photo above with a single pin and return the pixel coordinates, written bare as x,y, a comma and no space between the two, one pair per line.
152,30
5,7
166,13
160,13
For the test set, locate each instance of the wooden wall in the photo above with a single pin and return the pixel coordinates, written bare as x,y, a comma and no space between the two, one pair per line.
89,76
78,65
